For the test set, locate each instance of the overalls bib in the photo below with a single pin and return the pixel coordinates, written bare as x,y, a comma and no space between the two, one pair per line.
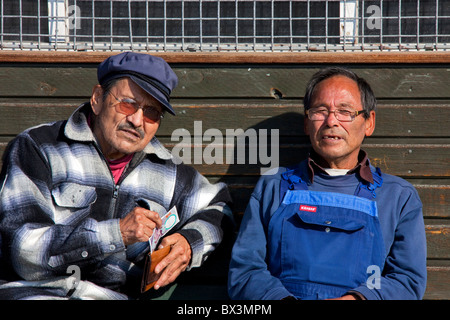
321,244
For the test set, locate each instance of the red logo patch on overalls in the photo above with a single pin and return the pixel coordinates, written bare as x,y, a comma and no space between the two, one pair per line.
307,208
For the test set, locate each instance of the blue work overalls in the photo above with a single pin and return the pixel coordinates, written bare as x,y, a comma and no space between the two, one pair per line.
321,244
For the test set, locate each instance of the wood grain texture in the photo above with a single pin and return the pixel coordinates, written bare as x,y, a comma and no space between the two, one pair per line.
236,57
393,120
212,82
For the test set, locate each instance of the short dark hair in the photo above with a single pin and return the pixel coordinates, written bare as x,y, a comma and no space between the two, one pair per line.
368,100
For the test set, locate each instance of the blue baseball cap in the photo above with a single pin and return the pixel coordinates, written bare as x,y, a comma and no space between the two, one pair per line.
151,73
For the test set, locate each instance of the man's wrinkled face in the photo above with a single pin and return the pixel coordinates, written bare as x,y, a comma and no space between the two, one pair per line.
119,134
338,143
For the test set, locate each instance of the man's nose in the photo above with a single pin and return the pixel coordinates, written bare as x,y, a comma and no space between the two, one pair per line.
331,120
137,118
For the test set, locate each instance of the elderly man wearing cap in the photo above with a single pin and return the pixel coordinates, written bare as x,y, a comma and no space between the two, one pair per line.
82,197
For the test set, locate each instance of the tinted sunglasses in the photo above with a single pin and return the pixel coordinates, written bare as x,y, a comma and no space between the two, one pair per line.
129,107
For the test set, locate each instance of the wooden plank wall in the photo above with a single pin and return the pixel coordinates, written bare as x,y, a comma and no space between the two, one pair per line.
245,91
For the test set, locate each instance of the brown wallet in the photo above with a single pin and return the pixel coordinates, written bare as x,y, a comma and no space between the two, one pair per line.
149,277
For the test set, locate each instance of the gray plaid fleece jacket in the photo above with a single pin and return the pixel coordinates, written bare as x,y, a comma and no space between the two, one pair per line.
59,205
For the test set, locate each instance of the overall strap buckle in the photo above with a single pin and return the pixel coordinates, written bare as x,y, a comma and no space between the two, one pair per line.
367,190
291,180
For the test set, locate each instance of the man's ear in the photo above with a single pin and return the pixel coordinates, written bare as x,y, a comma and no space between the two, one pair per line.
305,125
97,99
370,124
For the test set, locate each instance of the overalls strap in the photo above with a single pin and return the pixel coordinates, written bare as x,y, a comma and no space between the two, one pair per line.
367,190
291,180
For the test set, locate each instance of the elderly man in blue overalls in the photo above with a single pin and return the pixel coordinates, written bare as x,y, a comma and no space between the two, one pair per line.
333,226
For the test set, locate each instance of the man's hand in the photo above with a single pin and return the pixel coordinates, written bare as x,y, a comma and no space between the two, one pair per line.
175,262
138,225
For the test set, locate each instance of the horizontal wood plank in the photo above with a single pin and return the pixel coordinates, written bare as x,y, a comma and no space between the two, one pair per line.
438,283
236,57
252,81
290,82
435,199
438,239
397,120
16,117
401,160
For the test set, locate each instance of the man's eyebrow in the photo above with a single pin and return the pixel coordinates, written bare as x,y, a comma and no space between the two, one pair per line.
318,105
141,103
151,104
129,98
341,105
346,105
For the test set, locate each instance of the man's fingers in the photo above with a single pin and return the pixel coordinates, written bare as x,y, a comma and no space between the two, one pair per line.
138,225
149,218
175,262
170,268
170,259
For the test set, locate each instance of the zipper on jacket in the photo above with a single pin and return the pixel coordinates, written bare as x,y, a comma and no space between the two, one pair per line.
116,191
130,167
112,209
112,204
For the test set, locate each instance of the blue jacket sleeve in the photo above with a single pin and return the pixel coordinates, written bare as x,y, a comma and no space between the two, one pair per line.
249,277
405,274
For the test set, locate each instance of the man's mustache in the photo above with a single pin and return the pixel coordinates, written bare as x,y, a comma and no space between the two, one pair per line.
129,126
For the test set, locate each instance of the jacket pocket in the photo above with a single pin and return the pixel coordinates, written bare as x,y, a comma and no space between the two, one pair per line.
342,223
74,195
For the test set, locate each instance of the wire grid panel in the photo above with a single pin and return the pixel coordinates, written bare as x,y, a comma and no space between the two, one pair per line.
225,25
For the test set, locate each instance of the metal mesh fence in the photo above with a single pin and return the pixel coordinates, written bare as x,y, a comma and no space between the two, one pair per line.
225,25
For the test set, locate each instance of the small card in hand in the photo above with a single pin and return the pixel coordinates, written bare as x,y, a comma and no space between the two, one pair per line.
149,276
169,220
